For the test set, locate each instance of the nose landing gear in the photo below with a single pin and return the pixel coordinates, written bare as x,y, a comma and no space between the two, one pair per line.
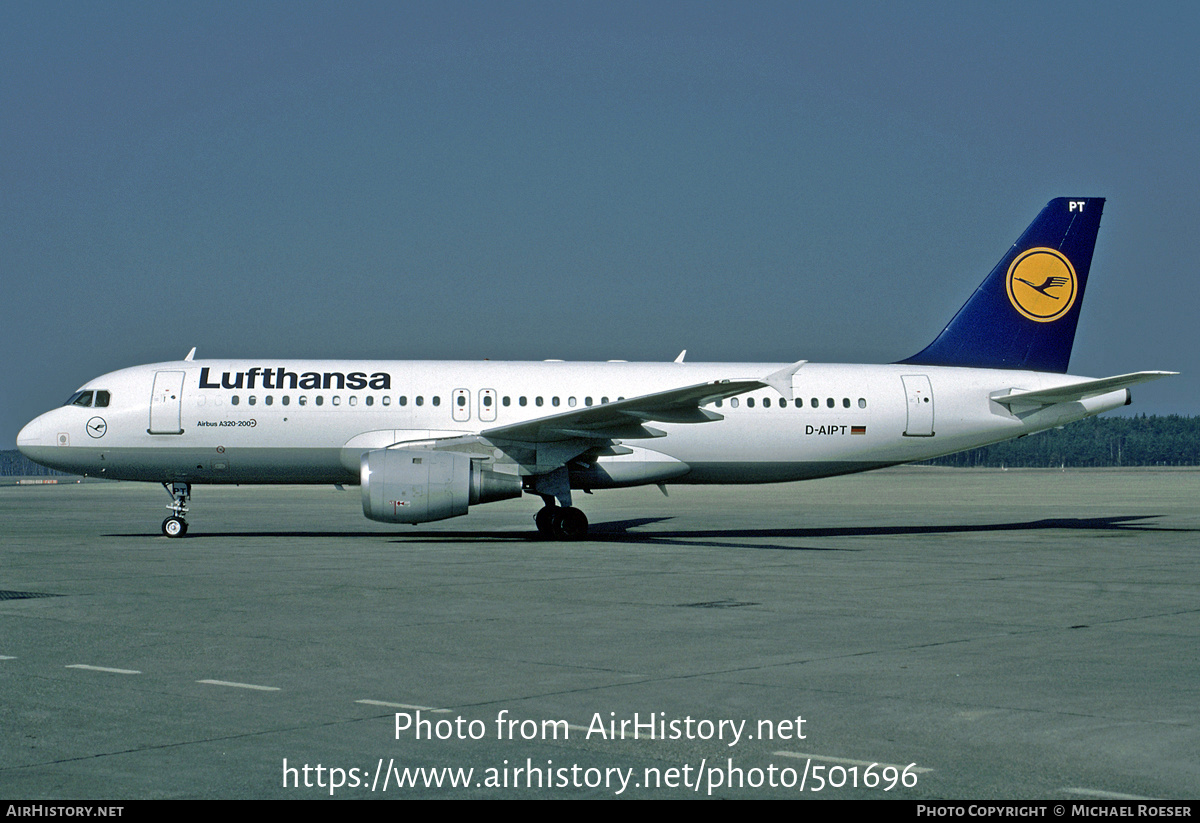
175,525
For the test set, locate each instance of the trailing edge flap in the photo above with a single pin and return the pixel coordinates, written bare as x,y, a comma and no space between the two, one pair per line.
625,419
1080,391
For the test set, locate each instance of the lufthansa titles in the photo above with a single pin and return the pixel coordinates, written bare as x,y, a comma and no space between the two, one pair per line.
281,378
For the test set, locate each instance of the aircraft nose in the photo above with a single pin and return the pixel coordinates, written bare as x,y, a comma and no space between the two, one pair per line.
34,434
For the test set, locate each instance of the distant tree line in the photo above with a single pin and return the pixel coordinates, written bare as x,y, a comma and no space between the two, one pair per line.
1096,442
15,464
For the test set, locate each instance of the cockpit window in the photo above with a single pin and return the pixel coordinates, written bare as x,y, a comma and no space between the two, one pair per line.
86,398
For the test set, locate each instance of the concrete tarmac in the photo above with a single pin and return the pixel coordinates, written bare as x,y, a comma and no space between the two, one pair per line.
974,634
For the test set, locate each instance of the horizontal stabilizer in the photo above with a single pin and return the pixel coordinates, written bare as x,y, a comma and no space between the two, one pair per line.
1080,391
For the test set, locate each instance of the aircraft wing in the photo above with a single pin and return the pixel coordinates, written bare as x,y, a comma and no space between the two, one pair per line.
1081,390
546,444
626,419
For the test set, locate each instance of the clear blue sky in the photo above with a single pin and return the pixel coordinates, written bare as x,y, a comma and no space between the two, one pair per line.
749,181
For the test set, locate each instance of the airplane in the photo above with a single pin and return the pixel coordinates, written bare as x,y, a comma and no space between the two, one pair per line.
425,440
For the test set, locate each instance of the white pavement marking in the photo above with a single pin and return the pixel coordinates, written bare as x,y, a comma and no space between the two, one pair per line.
848,762
101,669
401,706
1101,795
240,685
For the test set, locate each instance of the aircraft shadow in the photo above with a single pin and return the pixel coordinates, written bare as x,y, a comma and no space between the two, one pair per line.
619,531
627,532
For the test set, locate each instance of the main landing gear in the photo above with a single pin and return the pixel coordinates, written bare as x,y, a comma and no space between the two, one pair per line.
175,525
561,522
557,519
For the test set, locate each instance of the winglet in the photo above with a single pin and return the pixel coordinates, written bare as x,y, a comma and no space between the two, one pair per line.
679,359
190,355
781,381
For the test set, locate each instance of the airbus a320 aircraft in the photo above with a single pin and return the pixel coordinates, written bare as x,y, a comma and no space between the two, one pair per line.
426,440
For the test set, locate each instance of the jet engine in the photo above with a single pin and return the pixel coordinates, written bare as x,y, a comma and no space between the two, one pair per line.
417,486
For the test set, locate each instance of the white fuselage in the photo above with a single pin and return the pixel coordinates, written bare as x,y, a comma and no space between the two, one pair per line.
267,421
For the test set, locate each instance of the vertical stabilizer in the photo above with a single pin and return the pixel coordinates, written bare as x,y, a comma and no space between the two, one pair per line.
1024,314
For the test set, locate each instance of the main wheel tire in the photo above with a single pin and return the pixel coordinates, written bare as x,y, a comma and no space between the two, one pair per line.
174,526
570,524
544,520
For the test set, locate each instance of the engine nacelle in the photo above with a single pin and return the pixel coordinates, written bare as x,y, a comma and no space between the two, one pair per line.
417,486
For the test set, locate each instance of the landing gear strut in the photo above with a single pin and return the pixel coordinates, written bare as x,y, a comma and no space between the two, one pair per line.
557,519
175,525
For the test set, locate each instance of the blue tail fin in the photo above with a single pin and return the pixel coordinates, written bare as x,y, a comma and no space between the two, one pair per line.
1024,315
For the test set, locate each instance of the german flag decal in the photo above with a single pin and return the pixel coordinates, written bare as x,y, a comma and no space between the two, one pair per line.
858,429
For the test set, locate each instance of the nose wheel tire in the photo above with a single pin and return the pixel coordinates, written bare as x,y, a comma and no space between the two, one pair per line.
174,527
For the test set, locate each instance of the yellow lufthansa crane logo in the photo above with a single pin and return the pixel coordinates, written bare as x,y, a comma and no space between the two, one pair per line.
1042,284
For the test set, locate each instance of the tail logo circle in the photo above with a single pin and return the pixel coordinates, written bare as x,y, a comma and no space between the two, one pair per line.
1042,284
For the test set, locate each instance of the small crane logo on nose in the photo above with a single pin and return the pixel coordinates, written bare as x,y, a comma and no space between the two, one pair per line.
96,427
